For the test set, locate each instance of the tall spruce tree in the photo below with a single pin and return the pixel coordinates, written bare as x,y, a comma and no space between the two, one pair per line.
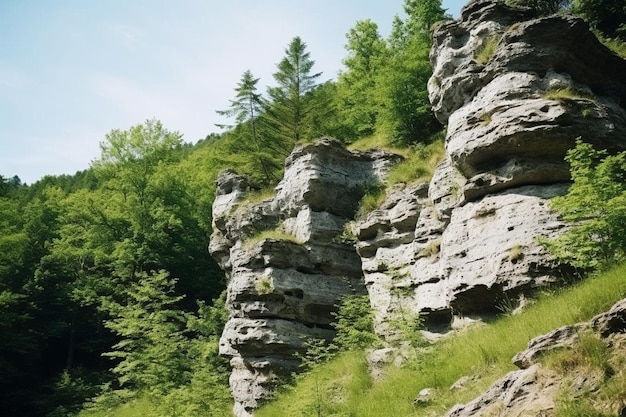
357,91
246,108
291,103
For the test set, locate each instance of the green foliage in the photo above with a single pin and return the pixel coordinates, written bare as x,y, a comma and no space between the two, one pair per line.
606,16
596,206
406,116
150,354
592,357
420,163
273,234
542,7
588,352
563,94
408,326
373,197
264,285
291,102
616,45
357,93
354,323
246,109
328,390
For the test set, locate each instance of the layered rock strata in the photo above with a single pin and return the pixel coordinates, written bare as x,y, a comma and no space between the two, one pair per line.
284,287
515,91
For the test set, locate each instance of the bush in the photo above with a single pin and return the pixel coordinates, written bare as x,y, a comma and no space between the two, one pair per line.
596,206
355,327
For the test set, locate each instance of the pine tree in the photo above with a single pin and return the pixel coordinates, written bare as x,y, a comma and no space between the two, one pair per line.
246,108
291,102
357,85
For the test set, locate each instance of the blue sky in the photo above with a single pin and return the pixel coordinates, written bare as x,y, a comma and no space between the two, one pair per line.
72,70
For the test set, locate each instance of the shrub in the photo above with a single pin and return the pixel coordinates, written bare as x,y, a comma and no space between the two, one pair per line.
354,323
596,206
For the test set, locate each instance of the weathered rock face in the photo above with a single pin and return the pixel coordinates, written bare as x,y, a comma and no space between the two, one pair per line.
282,292
466,244
504,127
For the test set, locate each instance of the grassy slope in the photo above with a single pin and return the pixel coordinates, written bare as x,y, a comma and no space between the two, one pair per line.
341,388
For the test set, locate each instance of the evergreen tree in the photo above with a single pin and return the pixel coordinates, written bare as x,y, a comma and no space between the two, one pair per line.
357,91
406,116
290,101
246,109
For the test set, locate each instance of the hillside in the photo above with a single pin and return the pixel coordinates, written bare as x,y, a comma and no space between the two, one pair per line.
350,248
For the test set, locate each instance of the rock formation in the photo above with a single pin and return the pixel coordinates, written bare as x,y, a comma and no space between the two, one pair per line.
283,288
515,91
466,244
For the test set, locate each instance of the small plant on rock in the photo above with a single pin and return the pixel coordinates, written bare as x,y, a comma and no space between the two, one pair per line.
264,285
516,252
487,49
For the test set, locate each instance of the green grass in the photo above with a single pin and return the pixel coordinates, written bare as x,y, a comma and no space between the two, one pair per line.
593,358
377,141
561,94
332,390
419,164
140,407
486,50
615,45
275,234
484,351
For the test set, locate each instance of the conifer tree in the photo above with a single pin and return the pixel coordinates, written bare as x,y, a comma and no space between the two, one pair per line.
357,85
291,103
246,108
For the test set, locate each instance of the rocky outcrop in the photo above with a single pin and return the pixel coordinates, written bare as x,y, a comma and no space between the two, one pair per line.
515,91
513,112
467,243
284,287
535,389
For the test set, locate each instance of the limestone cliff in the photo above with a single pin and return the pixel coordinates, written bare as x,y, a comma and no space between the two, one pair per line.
283,288
515,91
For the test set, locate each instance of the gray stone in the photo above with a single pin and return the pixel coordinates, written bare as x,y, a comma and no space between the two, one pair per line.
283,292
528,392
563,337
611,322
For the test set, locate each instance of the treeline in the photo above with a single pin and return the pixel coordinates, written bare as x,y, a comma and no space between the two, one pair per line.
382,90
107,291
110,263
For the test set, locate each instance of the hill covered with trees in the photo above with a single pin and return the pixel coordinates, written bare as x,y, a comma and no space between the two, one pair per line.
107,292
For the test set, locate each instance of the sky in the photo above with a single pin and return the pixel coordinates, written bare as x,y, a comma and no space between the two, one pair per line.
73,70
